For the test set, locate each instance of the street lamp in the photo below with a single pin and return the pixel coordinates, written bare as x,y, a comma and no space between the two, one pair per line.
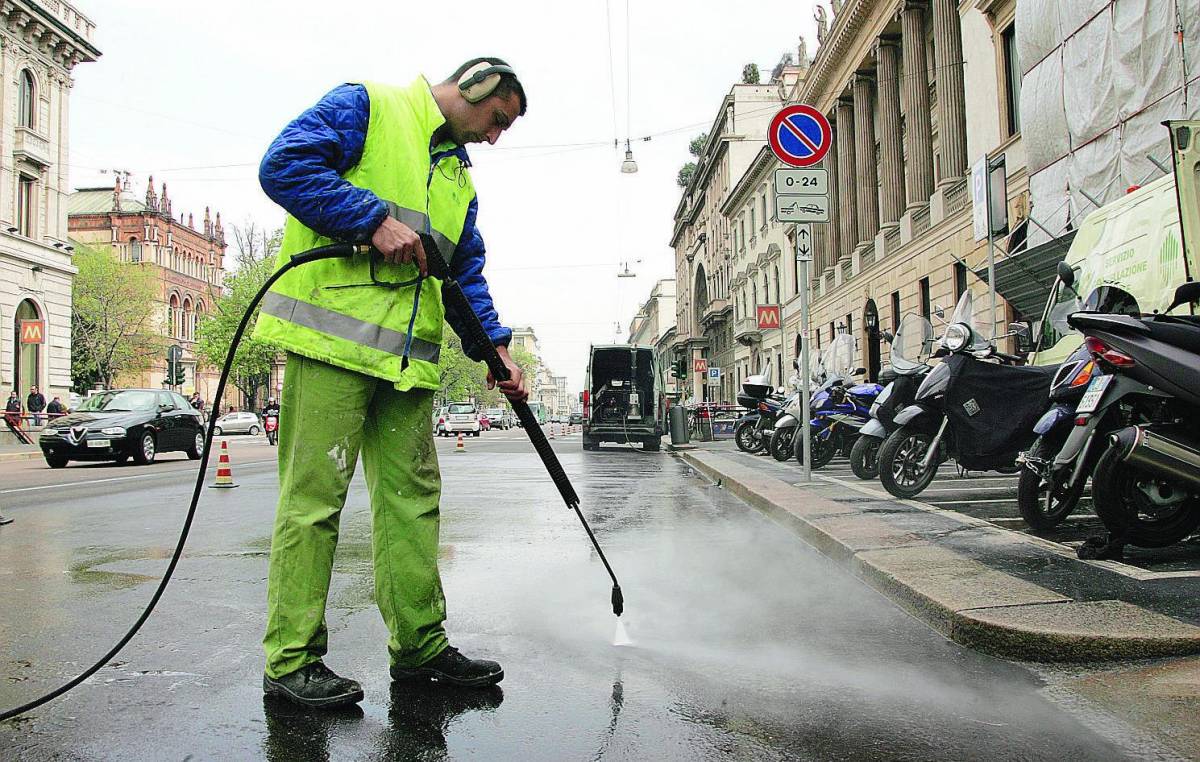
629,166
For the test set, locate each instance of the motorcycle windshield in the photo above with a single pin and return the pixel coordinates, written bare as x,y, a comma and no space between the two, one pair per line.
913,344
838,357
964,313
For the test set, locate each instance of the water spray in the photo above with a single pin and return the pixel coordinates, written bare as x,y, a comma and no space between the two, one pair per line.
451,292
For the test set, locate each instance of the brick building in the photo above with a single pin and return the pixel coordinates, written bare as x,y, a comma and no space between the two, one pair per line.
189,263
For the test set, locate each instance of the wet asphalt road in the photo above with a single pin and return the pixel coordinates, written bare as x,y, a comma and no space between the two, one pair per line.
747,643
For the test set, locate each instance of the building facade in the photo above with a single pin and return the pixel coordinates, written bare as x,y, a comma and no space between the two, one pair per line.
40,45
189,265
891,76
703,241
654,326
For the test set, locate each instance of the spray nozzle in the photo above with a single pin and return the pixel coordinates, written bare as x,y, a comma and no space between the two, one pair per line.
618,600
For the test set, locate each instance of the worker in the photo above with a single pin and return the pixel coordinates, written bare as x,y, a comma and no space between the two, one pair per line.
362,337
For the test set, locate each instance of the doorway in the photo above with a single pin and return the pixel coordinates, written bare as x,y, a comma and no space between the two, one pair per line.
870,323
27,355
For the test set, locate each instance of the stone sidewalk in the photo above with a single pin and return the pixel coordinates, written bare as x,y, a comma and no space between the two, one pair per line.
999,591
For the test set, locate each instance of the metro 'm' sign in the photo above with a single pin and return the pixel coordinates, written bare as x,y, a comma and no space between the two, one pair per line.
700,365
33,331
768,317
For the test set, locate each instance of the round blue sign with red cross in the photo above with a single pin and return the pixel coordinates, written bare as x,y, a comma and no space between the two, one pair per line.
800,135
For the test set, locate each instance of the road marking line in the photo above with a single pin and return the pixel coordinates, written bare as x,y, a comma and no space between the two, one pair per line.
969,501
113,479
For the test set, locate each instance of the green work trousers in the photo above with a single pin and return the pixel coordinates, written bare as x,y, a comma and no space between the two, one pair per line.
326,415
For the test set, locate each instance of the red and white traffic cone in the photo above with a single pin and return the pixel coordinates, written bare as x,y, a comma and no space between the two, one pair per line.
460,446
551,427
224,472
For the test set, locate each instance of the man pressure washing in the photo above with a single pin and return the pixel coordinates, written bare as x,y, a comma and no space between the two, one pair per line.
380,164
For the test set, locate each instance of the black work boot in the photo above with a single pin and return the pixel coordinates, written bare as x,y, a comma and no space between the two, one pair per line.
314,685
452,668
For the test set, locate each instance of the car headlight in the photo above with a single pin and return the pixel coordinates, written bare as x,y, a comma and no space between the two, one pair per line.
113,431
958,336
51,432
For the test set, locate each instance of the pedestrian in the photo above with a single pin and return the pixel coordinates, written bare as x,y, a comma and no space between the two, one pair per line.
362,337
12,416
55,409
35,403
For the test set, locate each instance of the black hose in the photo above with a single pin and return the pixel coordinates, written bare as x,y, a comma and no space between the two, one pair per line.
323,252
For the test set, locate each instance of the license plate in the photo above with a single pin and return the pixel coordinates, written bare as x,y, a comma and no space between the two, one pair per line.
99,442
1095,391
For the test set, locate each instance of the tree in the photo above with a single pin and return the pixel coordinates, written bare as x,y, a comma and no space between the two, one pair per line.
252,363
696,147
750,74
113,329
462,378
685,174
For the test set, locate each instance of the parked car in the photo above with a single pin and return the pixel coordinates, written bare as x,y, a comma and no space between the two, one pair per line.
499,418
462,417
124,423
238,423
576,419
439,421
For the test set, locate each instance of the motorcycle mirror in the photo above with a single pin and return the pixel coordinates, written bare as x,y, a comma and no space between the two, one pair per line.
1066,274
1023,335
937,310
860,371
888,336
1188,293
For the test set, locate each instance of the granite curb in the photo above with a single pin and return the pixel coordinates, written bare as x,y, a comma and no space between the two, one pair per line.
922,560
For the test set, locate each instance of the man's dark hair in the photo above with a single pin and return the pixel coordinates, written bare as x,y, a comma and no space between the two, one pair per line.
508,84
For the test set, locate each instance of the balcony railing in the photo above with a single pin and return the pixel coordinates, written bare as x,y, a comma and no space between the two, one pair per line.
745,331
32,146
956,198
715,311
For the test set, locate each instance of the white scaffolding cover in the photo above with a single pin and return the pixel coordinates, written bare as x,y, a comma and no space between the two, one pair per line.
1099,78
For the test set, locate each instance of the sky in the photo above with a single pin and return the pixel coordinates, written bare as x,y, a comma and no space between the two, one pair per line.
193,94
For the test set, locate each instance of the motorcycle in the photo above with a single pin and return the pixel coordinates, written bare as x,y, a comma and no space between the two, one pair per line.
959,412
781,444
756,397
911,349
1053,475
271,426
1146,482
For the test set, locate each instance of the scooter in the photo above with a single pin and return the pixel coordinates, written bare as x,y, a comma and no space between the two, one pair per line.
783,442
1146,483
755,394
959,411
1053,475
912,347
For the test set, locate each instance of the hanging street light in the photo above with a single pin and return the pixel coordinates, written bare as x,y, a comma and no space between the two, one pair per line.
629,166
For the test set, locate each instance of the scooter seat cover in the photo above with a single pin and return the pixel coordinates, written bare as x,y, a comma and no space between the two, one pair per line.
360,315
993,409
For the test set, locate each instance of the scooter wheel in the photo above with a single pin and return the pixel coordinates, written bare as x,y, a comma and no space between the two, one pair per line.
781,444
747,438
1140,508
864,457
1042,505
900,458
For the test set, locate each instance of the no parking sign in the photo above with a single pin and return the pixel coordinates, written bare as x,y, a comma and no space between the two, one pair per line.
800,135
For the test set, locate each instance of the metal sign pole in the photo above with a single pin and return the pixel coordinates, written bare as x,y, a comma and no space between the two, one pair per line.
805,376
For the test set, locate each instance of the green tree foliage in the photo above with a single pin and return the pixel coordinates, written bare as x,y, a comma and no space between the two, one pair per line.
685,174
462,378
252,363
113,309
697,144
750,74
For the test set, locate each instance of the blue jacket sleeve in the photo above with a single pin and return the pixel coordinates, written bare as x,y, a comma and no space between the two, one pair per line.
302,170
467,268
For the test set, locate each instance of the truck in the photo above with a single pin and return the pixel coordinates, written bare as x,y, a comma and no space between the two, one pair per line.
1130,254
623,399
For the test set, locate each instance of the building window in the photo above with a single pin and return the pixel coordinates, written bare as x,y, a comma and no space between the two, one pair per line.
960,280
764,211
1012,79
850,324
752,219
926,312
895,310
26,114
135,250
25,194
832,331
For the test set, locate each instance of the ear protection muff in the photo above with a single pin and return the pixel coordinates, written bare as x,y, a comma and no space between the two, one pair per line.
481,78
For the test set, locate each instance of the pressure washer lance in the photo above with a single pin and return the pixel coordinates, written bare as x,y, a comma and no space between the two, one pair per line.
495,364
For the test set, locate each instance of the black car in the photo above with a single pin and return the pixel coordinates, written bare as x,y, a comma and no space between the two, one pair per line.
124,423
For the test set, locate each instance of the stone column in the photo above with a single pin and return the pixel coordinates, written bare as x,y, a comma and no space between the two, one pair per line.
847,178
864,158
917,127
833,241
891,148
952,117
